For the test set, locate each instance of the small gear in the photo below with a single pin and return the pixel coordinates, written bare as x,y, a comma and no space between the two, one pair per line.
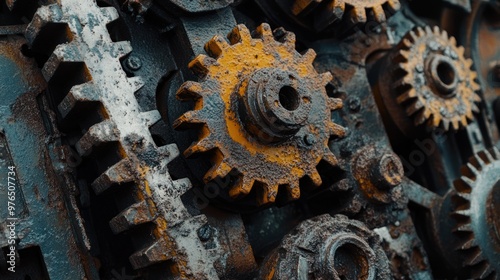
477,212
263,107
357,11
434,81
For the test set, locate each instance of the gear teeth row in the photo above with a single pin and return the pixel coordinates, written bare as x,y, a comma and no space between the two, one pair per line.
102,82
453,113
265,40
466,213
332,12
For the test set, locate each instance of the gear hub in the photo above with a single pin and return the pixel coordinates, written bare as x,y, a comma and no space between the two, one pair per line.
477,213
264,109
433,80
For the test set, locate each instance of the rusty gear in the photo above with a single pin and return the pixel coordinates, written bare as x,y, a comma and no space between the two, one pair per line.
264,108
327,247
434,81
477,211
356,11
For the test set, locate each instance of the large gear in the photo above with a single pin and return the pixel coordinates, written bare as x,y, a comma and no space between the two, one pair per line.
84,68
477,211
264,108
356,11
433,80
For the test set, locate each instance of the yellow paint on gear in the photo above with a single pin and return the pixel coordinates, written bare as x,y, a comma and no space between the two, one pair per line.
231,71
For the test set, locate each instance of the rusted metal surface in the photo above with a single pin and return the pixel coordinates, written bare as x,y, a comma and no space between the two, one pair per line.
328,247
264,109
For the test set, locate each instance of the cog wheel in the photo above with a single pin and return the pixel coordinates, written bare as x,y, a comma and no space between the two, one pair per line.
356,11
433,80
263,107
327,247
83,68
477,211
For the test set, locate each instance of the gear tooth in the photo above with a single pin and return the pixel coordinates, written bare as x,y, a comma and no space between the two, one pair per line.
216,46
462,213
134,215
468,182
379,13
475,258
149,118
220,170
303,8
315,178
404,81
336,130
293,190
485,271
407,42
464,121
309,56
154,253
110,14
468,244
445,35
476,87
453,41
62,53
326,78
264,32
285,37
445,125
241,188
416,34
358,15
189,91
267,194
473,169
181,186
136,83
168,152
428,30
488,156
461,51
455,124
239,34
201,64
44,15
120,49
435,121
335,103
78,94
495,153
394,5
474,108
406,96
480,162
201,146
463,228
330,14
117,174
188,119
329,157
98,134
414,108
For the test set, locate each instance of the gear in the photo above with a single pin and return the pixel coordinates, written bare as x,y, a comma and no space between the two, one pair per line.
327,247
356,11
263,107
434,81
477,211
84,68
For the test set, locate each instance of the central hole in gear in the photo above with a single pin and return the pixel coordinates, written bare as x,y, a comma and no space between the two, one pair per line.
350,263
446,73
289,98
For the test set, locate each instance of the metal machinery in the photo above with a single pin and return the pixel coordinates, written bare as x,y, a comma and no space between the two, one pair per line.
250,139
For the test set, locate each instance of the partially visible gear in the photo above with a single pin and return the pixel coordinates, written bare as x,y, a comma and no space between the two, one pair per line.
433,80
477,211
327,247
330,12
263,107
91,91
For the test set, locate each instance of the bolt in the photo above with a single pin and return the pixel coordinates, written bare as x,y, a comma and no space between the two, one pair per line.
133,63
354,104
309,139
387,171
205,232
